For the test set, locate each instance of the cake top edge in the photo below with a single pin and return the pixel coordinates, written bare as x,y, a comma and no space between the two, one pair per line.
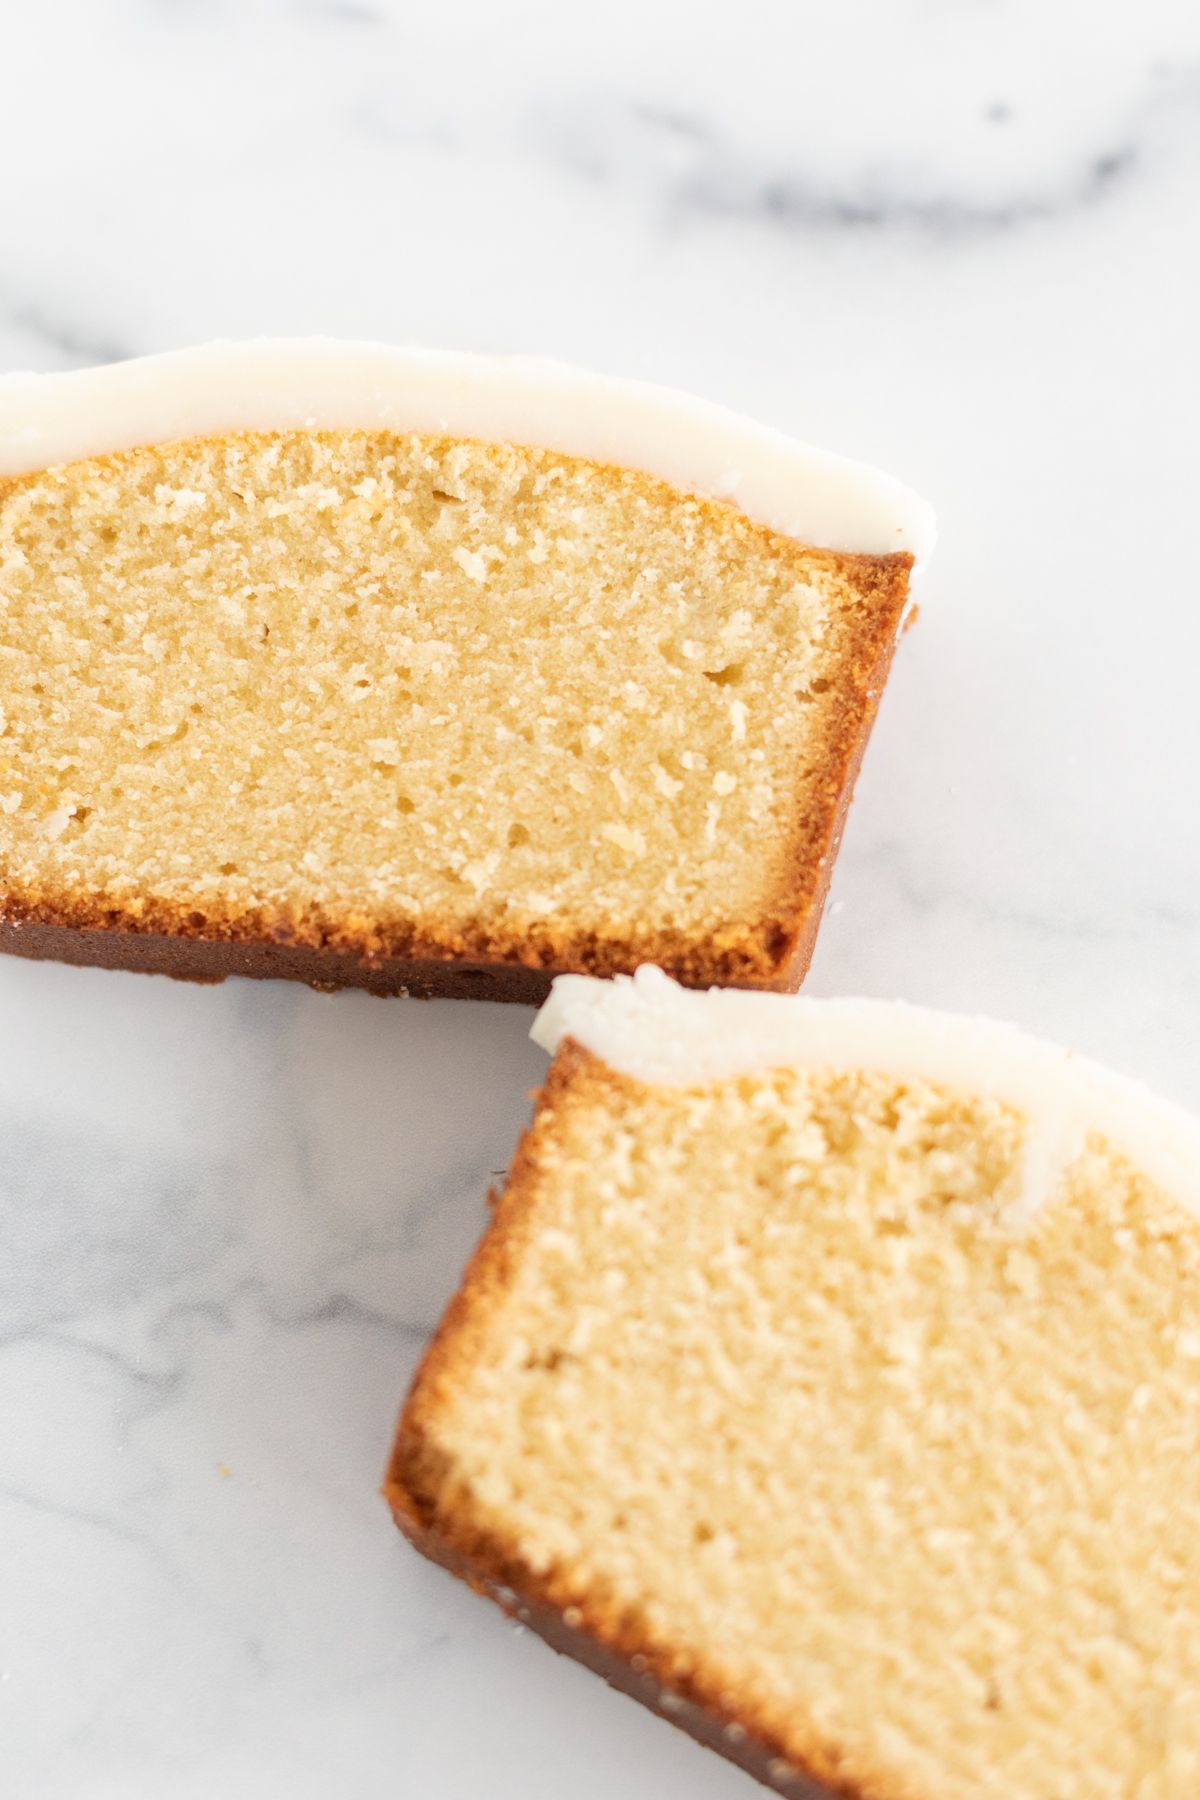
276,384
648,1027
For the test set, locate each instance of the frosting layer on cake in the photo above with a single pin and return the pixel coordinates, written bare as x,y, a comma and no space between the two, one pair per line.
285,384
655,1031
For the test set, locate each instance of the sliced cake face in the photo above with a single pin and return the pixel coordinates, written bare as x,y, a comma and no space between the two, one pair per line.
776,1390
433,691
415,695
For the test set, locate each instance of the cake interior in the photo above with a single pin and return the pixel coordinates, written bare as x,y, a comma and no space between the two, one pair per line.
761,1382
408,692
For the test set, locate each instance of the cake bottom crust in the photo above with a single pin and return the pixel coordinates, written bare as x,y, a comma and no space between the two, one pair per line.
464,972
212,959
726,1738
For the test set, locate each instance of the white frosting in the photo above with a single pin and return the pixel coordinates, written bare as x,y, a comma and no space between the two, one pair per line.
277,384
648,1027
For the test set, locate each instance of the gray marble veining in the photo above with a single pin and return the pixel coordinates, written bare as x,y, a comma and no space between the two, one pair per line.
958,241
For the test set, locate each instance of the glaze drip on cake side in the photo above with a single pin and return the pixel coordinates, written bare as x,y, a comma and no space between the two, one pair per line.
282,384
648,1027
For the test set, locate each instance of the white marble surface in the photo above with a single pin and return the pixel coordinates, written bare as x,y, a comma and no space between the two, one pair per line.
960,240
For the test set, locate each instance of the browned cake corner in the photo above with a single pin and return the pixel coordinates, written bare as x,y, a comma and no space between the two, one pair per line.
421,714
764,1399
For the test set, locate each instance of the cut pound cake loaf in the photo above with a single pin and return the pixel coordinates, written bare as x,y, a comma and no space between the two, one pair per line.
829,1379
429,672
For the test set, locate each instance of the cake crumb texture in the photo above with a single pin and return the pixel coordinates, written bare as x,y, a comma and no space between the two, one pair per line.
406,696
760,1384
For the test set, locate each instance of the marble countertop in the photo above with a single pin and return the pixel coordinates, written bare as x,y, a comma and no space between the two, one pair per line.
959,241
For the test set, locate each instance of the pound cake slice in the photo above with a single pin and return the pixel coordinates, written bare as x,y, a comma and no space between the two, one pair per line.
829,1379
427,672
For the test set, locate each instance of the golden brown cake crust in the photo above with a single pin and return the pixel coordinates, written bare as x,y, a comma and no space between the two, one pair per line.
628,1673
612,1644
508,959
207,960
